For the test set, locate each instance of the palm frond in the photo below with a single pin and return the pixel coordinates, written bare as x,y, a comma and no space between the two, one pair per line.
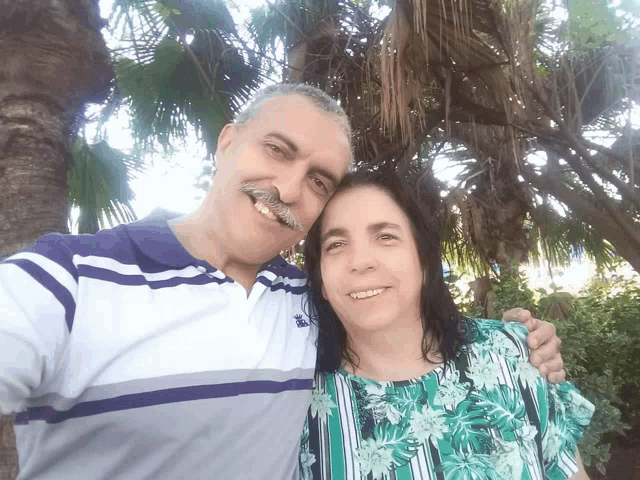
98,181
557,236
183,64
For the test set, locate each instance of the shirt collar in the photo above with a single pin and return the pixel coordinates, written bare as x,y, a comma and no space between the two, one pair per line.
157,241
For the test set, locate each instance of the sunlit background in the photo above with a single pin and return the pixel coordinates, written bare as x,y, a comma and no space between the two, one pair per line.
171,180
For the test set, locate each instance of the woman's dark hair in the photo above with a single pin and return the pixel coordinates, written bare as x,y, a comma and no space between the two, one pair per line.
440,316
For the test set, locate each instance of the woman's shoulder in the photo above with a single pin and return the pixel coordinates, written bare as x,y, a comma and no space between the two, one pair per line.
493,338
487,326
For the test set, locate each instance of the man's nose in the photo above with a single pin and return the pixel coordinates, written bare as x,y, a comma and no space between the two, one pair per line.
289,183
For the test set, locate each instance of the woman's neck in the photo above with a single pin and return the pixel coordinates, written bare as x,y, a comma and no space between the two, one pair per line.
391,356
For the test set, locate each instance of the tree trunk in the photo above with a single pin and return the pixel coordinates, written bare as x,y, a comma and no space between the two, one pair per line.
8,454
33,170
53,60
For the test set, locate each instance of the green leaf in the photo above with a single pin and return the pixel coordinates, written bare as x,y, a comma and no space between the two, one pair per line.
467,427
397,439
98,180
502,407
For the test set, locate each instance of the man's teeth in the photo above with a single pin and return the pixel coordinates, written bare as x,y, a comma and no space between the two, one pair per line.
263,209
368,293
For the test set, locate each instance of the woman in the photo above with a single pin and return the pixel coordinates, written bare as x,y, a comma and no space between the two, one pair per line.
409,388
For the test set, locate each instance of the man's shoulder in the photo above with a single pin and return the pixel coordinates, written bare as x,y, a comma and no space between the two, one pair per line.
82,244
61,248
148,243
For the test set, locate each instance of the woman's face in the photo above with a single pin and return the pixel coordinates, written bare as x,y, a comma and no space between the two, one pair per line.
371,273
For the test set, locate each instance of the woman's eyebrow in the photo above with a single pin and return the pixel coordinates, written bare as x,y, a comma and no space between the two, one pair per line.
372,228
376,227
334,232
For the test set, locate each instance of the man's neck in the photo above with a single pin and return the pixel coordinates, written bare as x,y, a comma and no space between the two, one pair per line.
392,355
202,243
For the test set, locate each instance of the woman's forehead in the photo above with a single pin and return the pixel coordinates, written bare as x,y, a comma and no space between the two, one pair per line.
361,204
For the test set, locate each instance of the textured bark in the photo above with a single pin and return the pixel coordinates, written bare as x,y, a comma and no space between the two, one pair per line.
53,60
8,455
33,174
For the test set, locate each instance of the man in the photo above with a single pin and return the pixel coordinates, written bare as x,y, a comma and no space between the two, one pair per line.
183,349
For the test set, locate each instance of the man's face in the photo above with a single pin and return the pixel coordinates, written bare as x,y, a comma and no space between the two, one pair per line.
275,175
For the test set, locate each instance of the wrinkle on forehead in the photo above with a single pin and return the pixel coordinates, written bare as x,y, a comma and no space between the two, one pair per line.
291,112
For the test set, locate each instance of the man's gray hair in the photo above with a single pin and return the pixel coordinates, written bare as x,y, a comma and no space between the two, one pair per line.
316,96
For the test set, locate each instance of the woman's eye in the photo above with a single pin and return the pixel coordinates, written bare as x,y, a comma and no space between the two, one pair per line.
333,245
387,236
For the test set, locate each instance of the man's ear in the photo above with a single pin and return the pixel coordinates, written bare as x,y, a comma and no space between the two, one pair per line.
228,133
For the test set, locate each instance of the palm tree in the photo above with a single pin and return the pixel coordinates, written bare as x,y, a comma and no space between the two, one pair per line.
53,60
499,79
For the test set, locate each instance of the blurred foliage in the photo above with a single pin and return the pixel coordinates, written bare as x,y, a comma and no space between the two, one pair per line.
98,180
179,64
511,290
594,23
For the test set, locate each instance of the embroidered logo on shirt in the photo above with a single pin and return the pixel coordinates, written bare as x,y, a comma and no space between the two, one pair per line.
300,322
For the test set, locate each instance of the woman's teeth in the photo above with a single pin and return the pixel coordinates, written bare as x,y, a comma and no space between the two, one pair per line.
263,209
367,294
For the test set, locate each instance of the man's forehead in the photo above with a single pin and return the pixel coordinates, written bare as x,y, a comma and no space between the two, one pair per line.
284,106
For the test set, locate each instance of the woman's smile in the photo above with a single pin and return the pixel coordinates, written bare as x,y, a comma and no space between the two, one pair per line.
368,294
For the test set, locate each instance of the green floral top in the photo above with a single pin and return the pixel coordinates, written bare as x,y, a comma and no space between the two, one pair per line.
487,416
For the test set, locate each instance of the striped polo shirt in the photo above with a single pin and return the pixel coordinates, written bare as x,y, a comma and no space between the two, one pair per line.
127,358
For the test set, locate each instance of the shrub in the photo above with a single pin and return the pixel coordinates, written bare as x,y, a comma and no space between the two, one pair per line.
512,291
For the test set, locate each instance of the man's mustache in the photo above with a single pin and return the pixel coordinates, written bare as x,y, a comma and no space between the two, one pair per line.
273,203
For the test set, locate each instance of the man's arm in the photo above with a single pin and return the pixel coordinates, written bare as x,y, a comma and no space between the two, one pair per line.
37,301
544,344
582,474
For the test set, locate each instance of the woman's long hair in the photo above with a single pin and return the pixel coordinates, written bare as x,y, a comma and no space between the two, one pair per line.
444,328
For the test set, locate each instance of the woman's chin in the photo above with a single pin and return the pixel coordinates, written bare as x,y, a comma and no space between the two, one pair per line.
371,324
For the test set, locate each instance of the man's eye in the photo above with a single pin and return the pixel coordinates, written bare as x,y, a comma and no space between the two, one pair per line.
276,149
320,184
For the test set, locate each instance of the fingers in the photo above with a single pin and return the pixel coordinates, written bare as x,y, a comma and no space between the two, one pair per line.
544,333
523,316
548,361
557,377
545,367
544,343
513,315
547,352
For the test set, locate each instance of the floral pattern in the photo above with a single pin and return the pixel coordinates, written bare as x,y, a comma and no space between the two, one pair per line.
321,404
374,457
428,424
486,416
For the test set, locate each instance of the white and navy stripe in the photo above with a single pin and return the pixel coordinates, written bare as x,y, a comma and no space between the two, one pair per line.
124,327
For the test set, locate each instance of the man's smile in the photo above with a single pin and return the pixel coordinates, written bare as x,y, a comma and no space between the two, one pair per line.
264,210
